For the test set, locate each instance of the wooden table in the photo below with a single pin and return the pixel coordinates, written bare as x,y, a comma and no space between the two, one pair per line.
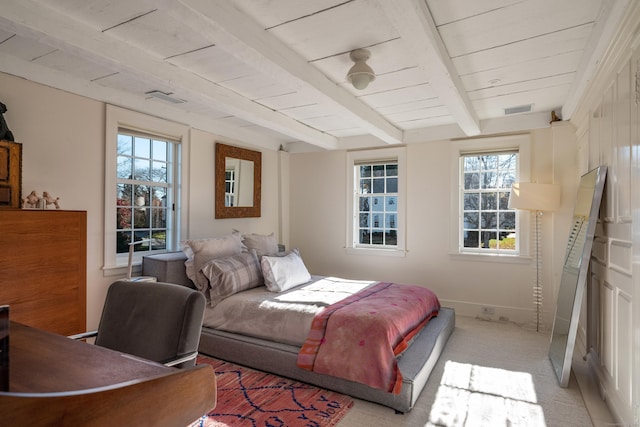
42,362
54,380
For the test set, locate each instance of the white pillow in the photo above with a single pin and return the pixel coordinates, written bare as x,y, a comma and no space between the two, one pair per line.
284,272
264,245
201,251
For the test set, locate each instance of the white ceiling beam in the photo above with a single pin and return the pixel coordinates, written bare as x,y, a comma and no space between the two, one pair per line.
37,20
414,23
65,82
222,23
517,123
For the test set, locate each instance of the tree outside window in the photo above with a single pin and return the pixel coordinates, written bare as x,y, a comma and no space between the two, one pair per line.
143,187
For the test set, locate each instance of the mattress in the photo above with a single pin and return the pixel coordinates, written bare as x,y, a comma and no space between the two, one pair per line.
259,313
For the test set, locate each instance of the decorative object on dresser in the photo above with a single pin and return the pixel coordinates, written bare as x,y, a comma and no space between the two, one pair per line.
34,201
10,174
50,200
5,133
43,268
30,201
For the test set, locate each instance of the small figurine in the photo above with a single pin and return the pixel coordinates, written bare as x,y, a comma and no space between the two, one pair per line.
31,201
5,133
49,200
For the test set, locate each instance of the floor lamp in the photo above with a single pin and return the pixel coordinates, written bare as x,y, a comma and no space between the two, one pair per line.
537,198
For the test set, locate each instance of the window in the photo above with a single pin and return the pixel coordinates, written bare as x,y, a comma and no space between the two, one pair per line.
482,173
144,191
377,192
229,187
487,223
143,184
377,204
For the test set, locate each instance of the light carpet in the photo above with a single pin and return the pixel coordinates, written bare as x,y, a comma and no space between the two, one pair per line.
489,374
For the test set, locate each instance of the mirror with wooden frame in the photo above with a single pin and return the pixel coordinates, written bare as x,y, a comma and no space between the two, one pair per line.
238,185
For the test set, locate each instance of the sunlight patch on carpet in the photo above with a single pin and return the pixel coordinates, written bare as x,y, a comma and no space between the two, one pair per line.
472,395
252,398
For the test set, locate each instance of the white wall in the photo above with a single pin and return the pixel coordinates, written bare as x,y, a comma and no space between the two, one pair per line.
318,227
200,206
63,138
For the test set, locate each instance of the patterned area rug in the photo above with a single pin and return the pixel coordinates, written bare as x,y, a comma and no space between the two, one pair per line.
257,399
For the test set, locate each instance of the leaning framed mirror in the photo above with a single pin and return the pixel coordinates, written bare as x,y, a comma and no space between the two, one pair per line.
574,272
238,182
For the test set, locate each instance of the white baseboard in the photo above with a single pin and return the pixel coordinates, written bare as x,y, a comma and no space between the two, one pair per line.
523,317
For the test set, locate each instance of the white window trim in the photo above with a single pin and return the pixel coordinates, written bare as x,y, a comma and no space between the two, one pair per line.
522,143
398,153
121,118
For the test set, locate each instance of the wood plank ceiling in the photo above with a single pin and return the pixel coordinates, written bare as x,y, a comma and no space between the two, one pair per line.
273,72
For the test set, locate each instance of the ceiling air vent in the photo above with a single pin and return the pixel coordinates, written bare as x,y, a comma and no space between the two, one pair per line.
517,110
165,96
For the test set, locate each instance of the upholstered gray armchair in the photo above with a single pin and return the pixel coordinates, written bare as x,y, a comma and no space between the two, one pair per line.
152,320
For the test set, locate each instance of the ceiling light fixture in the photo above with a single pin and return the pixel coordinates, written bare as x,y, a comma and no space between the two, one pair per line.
360,75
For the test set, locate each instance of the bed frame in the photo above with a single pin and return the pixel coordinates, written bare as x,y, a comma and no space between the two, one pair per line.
415,364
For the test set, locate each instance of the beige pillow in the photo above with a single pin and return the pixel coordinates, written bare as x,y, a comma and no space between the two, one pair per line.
263,244
232,274
201,251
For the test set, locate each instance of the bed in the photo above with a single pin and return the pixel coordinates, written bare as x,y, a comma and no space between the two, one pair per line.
235,340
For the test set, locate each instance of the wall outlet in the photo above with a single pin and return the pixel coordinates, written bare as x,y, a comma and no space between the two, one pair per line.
488,310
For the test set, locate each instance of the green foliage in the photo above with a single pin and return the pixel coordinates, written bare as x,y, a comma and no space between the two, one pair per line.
508,243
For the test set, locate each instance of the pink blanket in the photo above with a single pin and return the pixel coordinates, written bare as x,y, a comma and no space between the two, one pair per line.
359,337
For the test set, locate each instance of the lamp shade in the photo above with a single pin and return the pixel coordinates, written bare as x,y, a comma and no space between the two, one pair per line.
534,197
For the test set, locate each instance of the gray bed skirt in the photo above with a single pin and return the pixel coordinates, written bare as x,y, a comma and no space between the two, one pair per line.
415,364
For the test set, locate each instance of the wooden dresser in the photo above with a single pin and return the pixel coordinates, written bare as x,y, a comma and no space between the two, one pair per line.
43,268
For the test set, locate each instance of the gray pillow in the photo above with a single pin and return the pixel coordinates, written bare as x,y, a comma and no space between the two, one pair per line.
201,251
263,244
232,274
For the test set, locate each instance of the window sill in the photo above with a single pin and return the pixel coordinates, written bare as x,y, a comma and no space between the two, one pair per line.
502,258
111,271
372,251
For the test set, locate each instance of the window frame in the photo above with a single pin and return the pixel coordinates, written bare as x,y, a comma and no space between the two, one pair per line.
354,158
119,118
519,143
